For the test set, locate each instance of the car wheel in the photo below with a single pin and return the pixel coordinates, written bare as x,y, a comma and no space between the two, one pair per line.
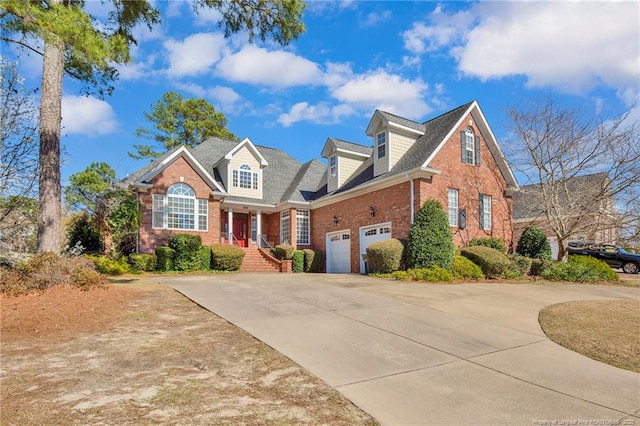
630,268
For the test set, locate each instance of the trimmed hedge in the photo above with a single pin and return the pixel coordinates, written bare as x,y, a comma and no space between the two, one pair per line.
434,274
165,258
110,265
493,242
580,269
313,260
298,261
520,265
384,256
187,248
491,261
226,257
534,244
538,266
464,269
144,262
205,257
283,252
430,241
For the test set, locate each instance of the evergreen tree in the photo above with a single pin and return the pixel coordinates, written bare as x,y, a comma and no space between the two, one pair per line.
430,240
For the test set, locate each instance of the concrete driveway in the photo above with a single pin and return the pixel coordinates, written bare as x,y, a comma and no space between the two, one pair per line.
413,354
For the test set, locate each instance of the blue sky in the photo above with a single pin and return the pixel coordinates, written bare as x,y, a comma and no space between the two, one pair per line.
413,59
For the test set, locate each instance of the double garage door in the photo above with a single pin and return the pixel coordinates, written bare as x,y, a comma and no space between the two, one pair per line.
339,246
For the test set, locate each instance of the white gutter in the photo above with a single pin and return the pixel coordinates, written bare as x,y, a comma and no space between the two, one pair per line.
412,198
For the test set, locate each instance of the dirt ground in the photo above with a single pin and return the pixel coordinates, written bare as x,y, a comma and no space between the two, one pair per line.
140,353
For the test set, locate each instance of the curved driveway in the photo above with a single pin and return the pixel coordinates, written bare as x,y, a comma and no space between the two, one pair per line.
428,354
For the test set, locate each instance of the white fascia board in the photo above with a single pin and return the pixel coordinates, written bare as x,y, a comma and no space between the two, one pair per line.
245,204
405,129
295,204
182,152
142,187
349,153
373,123
252,148
374,186
328,148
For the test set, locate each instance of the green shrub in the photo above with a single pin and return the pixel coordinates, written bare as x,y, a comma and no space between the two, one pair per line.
226,257
538,266
534,244
430,241
165,258
464,269
491,261
205,257
187,249
434,274
46,270
384,256
520,265
313,260
144,262
108,265
580,269
283,252
298,261
493,242
82,229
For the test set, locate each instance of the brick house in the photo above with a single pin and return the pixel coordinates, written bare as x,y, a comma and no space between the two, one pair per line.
584,207
255,196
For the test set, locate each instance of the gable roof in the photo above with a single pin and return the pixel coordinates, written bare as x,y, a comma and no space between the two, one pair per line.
386,118
246,142
343,146
528,204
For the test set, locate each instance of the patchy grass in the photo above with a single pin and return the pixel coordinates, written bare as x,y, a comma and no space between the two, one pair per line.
605,330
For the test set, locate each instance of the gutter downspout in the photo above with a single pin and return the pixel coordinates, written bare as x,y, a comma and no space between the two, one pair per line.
412,198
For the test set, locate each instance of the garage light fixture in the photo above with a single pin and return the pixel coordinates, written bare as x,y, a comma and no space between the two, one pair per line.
372,211
335,219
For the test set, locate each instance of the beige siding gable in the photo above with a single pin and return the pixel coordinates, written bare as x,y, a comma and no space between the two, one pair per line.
399,144
347,167
243,156
333,180
380,165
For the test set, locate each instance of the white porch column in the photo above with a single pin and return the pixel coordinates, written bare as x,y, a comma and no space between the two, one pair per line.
230,226
259,228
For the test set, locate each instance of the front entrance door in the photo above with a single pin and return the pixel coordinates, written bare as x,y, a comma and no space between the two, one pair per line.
240,230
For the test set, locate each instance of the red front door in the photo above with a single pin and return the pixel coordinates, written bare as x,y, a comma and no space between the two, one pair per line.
240,225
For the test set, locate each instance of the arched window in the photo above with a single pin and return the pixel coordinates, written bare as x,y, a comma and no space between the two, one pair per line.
245,178
180,209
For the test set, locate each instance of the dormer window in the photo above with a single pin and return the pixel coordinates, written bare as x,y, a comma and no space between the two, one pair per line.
245,178
381,144
332,166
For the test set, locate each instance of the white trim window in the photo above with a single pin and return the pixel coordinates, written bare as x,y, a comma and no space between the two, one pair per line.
332,166
469,146
485,212
303,227
245,178
453,206
381,143
285,227
180,209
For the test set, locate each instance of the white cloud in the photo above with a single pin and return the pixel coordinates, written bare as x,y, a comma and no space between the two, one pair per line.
278,69
87,116
194,55
322,113
372,19
205,16
385,91
571,46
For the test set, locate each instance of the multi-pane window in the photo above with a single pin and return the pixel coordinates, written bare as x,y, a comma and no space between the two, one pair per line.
485,212
285,227
245,178
469,146
453,207
180,209
303,227
332,166
381,143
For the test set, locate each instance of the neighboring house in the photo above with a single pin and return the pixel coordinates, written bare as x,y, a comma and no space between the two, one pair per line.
254,196
583,204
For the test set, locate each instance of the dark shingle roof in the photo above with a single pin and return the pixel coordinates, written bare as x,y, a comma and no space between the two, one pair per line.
402,121
351,146
528,202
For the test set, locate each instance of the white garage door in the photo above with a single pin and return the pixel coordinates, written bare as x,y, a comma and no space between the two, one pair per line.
339,252
372,234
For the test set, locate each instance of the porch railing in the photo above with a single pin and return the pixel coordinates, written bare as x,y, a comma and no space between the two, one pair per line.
263,243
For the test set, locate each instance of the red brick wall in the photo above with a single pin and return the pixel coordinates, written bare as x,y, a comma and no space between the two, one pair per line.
390,204
149,237
470,181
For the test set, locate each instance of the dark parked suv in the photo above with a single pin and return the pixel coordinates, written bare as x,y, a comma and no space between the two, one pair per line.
615,256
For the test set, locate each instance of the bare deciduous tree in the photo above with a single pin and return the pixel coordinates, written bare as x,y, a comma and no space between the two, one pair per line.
556,148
